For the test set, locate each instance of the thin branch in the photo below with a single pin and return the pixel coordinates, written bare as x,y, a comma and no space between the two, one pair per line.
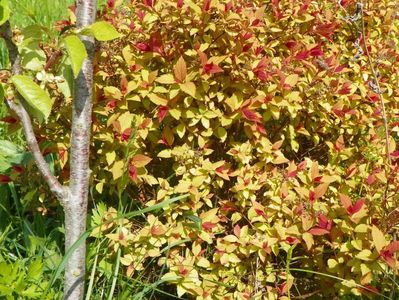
305,296
378,91
376,82
59,191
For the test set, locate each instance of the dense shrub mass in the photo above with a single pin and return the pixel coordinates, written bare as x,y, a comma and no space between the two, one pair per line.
270,116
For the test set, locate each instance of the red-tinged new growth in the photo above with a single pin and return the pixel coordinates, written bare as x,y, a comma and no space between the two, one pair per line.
387,253
351,208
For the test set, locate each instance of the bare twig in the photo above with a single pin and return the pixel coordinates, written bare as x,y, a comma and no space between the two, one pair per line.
377,85
305,296
59,191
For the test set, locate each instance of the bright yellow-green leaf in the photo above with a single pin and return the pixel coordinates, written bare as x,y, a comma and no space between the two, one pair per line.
194,6
2,93
110,157
37,98
181,130
112,92
125,120
189,88
361,228
165,153
4,11
203,262
102,31
291,80
76,51
158,100
378,238
364,255
175,113
166,79
117,169
332,263
308,238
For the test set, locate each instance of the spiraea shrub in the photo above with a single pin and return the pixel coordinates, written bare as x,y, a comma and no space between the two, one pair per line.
277,119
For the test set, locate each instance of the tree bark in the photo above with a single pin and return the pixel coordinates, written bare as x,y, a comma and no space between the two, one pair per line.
76,206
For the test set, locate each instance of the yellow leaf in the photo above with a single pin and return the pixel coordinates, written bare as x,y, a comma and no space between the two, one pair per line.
210,216
158,100
189,88
181,130
320,190
293,97
125,120
203,262
110,157
280,160
165,153
112,92
140,160
117,169
233,102
361,228
198,180
166,79
378,238
205,123
180,70
182,187
357,244
230,238
100,186
332,263
314,170
307,222
308,238
291,80
175,113
392,145
364,255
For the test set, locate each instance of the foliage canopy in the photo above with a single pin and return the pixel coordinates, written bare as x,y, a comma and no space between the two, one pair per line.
269,115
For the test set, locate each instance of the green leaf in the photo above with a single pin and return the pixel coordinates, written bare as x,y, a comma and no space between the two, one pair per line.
35,269
38,99
11,154
4,61
4,11
8,148
2,93
102,31
76,51
188,88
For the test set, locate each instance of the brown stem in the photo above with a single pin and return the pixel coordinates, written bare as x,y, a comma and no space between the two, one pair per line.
61,192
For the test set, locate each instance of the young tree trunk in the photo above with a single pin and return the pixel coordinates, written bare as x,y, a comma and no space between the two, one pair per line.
76,206
75,197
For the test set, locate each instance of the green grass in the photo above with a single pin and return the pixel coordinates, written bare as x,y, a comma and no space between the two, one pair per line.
43,12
